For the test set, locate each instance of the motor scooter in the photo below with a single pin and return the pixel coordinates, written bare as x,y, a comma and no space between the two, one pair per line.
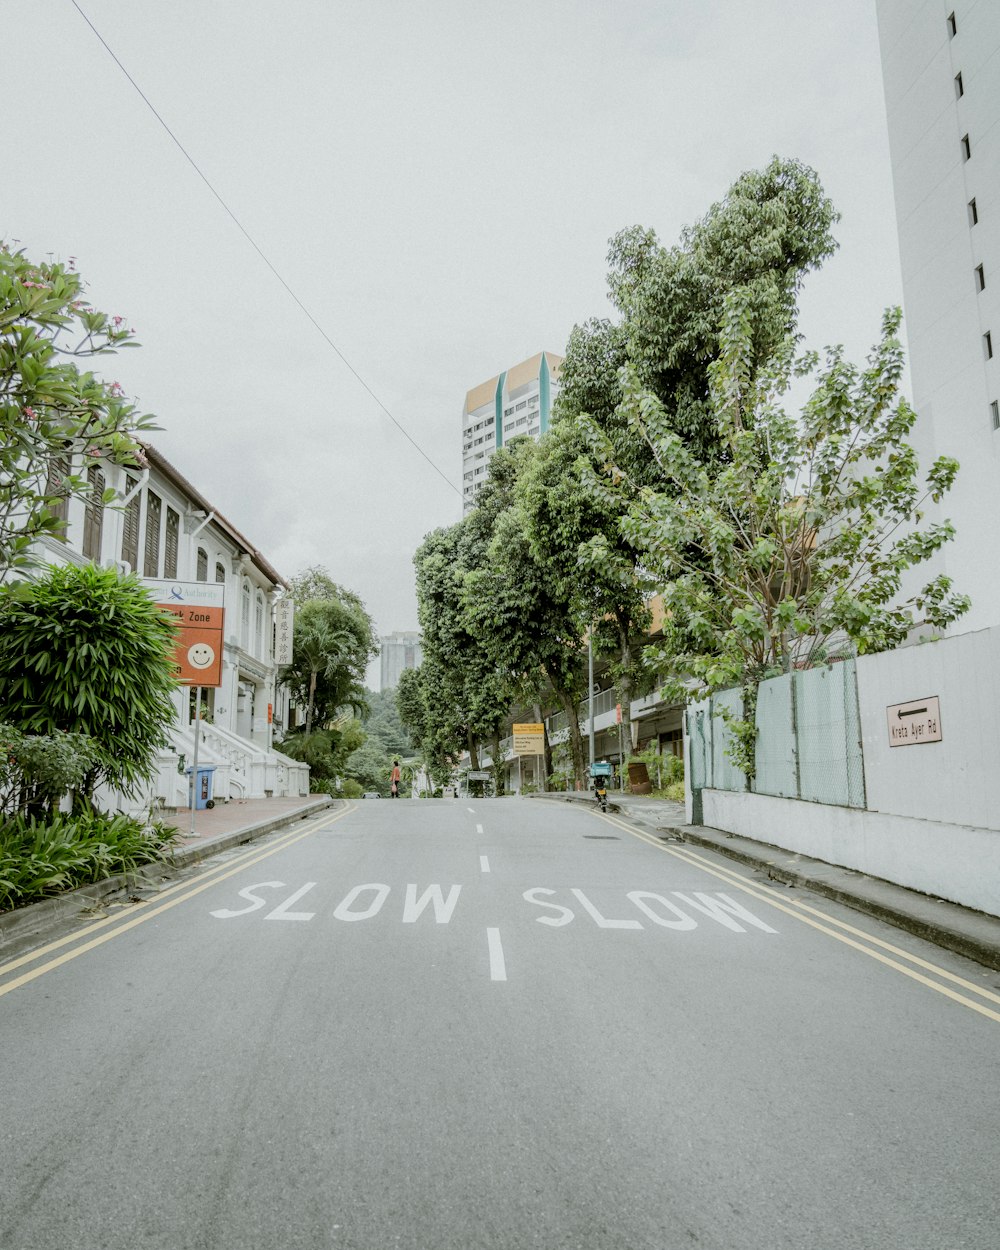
601,793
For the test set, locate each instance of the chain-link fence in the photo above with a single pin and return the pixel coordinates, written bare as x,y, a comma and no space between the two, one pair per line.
808,738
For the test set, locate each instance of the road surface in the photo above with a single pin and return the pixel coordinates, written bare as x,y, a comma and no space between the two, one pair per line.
495,1024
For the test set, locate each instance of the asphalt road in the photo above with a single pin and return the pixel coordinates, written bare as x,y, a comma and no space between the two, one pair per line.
494,1024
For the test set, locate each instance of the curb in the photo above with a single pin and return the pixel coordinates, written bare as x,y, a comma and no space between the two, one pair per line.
972,934
36,920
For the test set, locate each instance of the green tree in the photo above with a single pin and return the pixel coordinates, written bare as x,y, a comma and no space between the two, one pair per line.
527,621
333,641
54,419
800,543
772,227
574,534
85,651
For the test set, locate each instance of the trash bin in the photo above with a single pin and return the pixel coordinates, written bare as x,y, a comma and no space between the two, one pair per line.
203,789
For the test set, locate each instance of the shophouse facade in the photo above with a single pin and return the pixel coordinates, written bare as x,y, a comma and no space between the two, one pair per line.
162,528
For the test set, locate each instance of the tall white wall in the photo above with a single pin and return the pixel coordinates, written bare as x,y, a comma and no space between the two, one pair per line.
947,315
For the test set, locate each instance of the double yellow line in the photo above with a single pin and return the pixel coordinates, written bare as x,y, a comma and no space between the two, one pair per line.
856,938
113,926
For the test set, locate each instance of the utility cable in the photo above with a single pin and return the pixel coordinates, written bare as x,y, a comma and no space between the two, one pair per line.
249,238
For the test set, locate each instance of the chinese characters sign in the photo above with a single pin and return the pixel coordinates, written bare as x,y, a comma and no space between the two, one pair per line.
284,615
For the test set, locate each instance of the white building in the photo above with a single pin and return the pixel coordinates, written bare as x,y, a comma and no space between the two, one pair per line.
398,651
517,401
941,71
164,528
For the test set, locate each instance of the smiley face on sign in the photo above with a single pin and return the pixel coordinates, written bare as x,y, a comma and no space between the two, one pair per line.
201,655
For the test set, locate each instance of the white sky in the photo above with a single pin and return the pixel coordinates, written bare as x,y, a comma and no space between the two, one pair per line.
437,183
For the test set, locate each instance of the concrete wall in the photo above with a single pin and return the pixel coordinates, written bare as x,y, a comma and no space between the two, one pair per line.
947,860
933,810
957,780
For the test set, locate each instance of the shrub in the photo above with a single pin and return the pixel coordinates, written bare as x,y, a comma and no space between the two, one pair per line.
39,859
36,770
352,789
86,651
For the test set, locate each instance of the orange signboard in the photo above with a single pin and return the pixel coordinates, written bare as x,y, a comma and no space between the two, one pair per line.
198,651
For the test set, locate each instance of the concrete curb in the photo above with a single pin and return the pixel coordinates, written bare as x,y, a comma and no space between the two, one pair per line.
973,934
37,920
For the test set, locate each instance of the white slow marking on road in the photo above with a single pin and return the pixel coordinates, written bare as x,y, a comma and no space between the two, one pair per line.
479,828
603,921
484,864
433,894
281,912
498,969
255,900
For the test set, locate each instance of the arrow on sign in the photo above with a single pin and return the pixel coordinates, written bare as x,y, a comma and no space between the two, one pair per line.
917,711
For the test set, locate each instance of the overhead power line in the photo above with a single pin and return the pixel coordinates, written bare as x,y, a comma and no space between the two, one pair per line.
260,252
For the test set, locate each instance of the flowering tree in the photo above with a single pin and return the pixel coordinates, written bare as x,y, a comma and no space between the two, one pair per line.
53,416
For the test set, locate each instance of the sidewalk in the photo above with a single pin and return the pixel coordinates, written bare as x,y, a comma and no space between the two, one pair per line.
225,826
228,824
973,934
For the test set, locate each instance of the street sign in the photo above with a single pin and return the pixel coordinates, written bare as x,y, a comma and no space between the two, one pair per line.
479,776
914,723
529,739
199,610
284,617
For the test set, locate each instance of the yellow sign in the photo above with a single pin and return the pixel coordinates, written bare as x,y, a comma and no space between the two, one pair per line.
529,739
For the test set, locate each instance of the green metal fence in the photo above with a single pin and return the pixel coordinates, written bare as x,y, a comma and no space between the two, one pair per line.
808,738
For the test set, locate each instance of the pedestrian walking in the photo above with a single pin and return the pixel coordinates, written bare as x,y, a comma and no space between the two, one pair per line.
394,779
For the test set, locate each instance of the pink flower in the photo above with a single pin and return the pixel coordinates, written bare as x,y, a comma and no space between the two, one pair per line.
31,414
118,321
116,390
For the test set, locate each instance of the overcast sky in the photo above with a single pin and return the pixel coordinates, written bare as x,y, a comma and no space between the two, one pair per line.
437,183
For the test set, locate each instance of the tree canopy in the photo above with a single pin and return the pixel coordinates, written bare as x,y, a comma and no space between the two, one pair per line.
333,641
54,418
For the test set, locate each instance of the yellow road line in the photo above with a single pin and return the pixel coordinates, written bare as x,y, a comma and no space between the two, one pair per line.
733,879
154,906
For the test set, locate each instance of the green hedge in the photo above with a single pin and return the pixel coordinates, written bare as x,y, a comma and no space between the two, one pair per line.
42,858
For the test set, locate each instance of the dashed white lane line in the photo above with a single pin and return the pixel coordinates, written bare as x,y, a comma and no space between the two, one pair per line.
471,809
498,969
484,864
479,828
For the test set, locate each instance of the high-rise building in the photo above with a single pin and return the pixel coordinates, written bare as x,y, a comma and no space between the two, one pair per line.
399,650
517,401
940,64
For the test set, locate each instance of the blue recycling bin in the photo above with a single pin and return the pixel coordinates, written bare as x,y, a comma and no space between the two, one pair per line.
204,786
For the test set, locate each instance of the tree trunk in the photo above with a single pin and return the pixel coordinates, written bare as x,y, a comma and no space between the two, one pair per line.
473,751
498,770
575,737
546,749
312,695
624,684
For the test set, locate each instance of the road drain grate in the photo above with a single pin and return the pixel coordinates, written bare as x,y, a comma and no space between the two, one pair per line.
602,837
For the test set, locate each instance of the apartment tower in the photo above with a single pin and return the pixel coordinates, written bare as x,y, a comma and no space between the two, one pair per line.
941,73
517,401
